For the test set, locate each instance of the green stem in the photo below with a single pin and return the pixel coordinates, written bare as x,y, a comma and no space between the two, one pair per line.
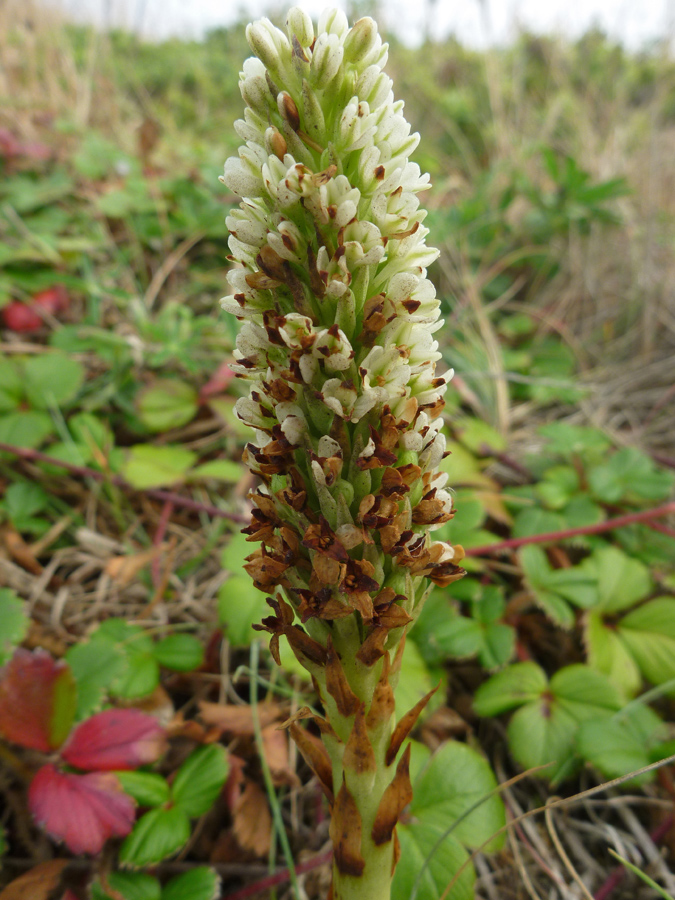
366,783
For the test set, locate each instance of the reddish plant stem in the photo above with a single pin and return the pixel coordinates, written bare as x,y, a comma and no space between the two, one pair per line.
85,472
280,877
645,515
617,876
656,526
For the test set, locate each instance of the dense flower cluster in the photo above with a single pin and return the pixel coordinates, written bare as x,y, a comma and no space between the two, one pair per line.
337,335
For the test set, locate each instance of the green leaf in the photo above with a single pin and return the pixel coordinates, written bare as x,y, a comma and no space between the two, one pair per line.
455,779
543,731
559,485
629,475
25,428
139,678
478,436
156,835
69,453
616,747
150,466
542,734
13,623
147,788
11,386
569,441
582,688
234,554
499,646
553,588
167,403
95,666
419,840
608,654
622,581
517,684
139,675
200,780
23,499
459,637
240,606
218,470
530,522
180,652
89,431
416,680
52,379
200,883
649,635
129,885
127,636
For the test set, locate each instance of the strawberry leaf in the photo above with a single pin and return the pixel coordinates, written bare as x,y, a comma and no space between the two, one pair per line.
128,886
200,780
115,739
37,700
200,883
81,810
157,834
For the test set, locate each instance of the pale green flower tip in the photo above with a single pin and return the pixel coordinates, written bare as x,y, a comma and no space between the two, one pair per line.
363,43
268,43
333,21
327,57
299,25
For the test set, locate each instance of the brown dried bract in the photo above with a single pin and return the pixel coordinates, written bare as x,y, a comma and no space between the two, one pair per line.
394,800
345,833
337,685
383,704
315,755
359,755
405,726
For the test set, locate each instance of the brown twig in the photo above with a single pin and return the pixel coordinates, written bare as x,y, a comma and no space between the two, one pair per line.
645,515
86,472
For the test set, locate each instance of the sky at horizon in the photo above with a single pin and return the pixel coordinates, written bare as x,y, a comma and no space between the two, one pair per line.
476,22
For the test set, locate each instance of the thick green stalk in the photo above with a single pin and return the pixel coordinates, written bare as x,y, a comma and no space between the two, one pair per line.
337,344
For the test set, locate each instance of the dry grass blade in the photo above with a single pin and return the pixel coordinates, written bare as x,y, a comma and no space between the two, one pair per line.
564,802
562,853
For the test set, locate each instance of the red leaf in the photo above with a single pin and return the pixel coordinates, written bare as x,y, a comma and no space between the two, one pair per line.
38,697
115,739
53,300
21,318
81,810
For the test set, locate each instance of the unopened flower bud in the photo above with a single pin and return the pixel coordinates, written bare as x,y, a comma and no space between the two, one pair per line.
327,58
333,21
266,41
299,23
361,40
